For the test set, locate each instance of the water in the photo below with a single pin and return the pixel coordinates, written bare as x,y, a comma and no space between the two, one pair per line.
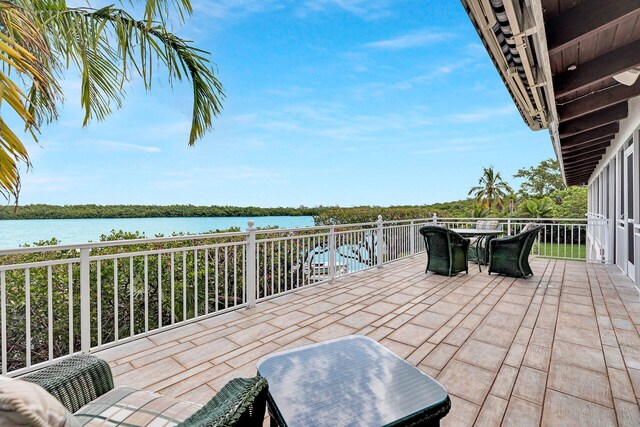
14,233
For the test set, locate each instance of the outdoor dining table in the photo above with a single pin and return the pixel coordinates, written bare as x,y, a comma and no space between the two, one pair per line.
350,381
481,234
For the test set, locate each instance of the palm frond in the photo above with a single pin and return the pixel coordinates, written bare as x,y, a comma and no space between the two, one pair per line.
40,39
25,55
107,45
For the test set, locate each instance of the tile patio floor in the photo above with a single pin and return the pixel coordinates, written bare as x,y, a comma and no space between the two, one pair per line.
561,348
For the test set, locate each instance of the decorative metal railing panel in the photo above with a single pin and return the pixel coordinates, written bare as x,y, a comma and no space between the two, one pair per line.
59,300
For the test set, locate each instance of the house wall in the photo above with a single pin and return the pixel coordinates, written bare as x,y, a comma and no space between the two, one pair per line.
608,197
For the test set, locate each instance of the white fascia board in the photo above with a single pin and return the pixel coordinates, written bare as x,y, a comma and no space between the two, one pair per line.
627,127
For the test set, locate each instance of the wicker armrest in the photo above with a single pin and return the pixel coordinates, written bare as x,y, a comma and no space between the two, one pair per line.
75,381
241,402
504,240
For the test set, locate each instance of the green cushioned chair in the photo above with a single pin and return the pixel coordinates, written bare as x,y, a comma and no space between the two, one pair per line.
446,250
510,255
84,385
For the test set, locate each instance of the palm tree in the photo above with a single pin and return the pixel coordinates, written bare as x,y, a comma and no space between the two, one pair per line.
538,208
40,40
491,190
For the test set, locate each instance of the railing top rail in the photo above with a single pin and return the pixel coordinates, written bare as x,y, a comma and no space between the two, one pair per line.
275,231
131,242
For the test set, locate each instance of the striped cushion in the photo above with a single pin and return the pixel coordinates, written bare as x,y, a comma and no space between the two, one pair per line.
130,407
487,225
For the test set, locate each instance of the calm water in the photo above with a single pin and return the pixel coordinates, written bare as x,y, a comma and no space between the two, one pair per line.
18,232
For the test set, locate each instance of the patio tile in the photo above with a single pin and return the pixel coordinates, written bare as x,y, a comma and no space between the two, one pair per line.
613,357
496,335
359,319
492,412
515,355
577,299
522,413
147,375
537,357
253,333
622,323
530,385
446,308
628,338
400,349
381,308
464,414
563,410
578,355
440,356
631,356
578,321
195,380
504,382
582,383
621,387
497,318
583,337
628,413
456,379
330,332
458,336
205,352
199,395
542,337
482,354
420,353
430,319
411,334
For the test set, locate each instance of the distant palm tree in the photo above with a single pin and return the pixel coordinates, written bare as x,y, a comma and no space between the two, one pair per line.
538,208
492,190
40,40
478,211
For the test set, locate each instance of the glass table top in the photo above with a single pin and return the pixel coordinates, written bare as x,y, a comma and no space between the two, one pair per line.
349,381
477,231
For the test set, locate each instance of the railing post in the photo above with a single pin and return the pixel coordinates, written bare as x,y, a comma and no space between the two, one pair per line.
85,303
332,253
379,242
435,218
508,226
412,238
251,265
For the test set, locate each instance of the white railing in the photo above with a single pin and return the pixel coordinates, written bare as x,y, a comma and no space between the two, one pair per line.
59,300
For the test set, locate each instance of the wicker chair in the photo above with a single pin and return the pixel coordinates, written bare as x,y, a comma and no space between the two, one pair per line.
80,379
510,255
446,250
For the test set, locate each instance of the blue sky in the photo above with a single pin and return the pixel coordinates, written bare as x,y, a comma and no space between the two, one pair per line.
345,102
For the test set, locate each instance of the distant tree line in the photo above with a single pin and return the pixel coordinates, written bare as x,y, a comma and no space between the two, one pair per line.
542,194
146,211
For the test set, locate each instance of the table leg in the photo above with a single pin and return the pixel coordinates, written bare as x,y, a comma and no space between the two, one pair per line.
478,253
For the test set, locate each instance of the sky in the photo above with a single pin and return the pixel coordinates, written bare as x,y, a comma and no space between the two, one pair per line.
328,102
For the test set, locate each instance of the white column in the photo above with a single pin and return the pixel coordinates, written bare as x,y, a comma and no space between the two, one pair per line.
380,242
251,265
85,303
332,253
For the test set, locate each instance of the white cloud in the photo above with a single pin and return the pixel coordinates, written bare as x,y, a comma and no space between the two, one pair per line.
38,182
234,8
410,40
447,149
483,114
364,9
121,146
